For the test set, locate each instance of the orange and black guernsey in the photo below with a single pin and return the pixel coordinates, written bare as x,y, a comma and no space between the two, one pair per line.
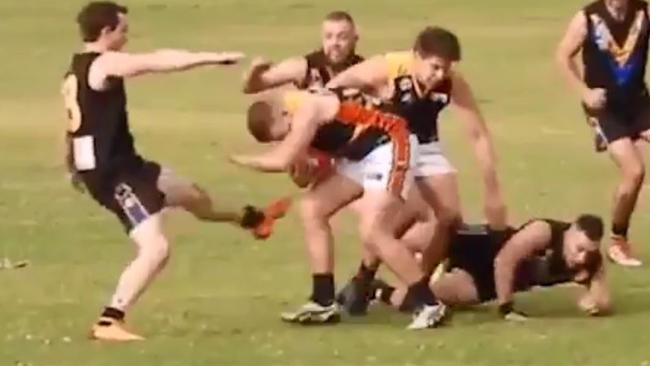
360,126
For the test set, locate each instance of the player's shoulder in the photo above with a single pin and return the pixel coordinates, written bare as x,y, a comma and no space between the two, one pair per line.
539,227
293,99
399,63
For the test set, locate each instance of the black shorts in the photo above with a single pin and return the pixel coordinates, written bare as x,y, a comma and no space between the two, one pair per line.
473,249
131,194
611,125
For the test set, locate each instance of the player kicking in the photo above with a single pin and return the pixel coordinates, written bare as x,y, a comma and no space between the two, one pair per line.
101,157
420,84
375,156
487,265
612,36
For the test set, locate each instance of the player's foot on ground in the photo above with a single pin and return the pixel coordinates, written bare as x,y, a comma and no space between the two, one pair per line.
272,212
354,298
429,316
313,313
107,329
620,252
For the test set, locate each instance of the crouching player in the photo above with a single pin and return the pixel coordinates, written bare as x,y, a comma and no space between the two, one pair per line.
375,155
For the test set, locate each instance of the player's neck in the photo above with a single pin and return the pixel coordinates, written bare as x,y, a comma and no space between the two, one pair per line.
617,9
336,68
97,47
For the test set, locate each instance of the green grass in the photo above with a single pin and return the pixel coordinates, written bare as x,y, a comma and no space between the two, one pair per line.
218,303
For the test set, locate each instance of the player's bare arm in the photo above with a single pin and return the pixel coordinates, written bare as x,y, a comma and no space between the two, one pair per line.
314,111
535,236
367,75
263,75
121,64
466,108
565,55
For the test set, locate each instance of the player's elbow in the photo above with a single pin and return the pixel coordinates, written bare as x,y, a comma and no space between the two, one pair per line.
252,86
563,60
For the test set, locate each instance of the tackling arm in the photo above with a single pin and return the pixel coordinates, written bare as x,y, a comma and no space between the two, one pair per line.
467,110
314,111
263,75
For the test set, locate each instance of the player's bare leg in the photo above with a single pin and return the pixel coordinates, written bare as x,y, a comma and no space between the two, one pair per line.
454,288
629,160
151,257
180,192
441,192
317,206
378,232
414,226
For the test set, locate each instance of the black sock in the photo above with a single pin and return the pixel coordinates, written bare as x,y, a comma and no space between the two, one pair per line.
385,294
323,289
111,313
419,293
620,230
365,274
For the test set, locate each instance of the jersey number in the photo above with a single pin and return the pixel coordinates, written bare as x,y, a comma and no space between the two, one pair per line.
69,91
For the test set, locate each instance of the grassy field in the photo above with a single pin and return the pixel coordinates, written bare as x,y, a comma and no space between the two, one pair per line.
219,301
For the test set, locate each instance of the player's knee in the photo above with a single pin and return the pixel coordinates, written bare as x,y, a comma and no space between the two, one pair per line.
448,216
634,174
156,250
195,195
373,234
311,210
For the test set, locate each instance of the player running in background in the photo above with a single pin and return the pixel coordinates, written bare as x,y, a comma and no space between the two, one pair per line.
612,36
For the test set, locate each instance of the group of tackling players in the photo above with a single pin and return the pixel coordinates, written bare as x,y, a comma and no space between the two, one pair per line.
364,134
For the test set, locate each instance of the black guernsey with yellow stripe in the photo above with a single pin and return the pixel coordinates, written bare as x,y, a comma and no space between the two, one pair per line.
103,148
100,116
615,54
420,110
318,74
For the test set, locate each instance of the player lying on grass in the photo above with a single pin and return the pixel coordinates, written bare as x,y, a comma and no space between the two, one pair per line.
375,156
486,265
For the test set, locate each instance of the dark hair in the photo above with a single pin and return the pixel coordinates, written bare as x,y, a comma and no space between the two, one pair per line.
97,15
436,41
591,225
340,16
259,120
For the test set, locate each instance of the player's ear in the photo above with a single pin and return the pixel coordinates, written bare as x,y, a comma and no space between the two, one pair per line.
105,31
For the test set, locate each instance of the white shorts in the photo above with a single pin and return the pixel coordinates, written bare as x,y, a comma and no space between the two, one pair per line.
431,161
388,167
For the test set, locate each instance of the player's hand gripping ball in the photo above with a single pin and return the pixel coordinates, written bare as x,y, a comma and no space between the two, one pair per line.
311,169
